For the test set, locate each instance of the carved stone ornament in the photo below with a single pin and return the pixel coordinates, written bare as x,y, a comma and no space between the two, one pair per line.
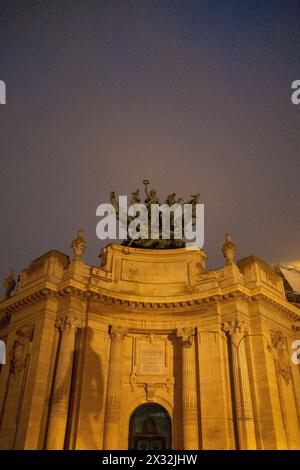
78,245
202,262
9,284
118,331
24,337
103,256
133,380
151,387
235,327
69,321
186,336
296,325
229,249
282,356
150,391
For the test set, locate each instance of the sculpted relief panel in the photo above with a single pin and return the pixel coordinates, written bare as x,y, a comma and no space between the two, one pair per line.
281,355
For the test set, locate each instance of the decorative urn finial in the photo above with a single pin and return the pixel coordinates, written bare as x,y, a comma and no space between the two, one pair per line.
9,284
229,249
78,245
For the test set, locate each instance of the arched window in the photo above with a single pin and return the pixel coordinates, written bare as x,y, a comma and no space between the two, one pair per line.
150,428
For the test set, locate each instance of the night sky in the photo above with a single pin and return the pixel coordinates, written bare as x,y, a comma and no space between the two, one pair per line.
193,95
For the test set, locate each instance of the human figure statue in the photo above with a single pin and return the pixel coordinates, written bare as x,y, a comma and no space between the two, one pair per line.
9,284
103,256
78,245
281,355
194,201
114,202
171,199
229,249
151,196
135,199
19,281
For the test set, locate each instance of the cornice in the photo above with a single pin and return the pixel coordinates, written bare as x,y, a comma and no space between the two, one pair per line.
287,309
296,326
4,320
14,304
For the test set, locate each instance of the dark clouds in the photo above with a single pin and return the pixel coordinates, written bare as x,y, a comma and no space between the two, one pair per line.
193,95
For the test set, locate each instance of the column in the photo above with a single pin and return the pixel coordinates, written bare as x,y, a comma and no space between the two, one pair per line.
242,401
67,325
113,396
189,390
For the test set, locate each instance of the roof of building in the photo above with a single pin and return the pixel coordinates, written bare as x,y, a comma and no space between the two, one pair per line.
291,279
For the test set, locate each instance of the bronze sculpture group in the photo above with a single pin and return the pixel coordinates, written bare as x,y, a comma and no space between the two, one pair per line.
151,198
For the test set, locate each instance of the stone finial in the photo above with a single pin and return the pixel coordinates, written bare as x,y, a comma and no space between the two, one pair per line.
103,256
78,245
9,284
229,249
203,258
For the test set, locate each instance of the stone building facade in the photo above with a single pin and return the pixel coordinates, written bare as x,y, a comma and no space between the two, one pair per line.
150,350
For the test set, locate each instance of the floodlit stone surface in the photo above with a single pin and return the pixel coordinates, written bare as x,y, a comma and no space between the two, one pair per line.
87,345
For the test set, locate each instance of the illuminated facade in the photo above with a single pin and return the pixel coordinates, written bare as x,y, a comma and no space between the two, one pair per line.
150,350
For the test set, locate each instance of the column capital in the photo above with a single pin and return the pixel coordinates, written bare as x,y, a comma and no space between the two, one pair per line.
235,328
186,335
69,321
117,331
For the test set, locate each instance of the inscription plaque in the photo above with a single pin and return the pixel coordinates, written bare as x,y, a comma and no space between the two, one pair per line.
152,358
